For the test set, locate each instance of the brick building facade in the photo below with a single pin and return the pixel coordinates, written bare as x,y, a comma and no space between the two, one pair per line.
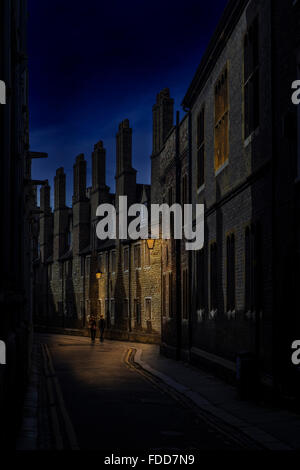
67,290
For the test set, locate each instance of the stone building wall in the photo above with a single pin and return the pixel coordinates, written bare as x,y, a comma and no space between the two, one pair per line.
235,197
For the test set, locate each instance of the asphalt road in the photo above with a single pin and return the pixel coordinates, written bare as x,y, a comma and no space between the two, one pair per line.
112,407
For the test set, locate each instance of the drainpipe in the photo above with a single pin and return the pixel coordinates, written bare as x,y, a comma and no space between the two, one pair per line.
129,288
47,289
84,300
275,334
107,289
62,293
178,245
190,258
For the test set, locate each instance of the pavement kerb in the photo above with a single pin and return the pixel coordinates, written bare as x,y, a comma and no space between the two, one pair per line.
266,440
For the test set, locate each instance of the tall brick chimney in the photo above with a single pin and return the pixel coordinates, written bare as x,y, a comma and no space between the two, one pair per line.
60,189
124,148
163,118
125,174
98,165
45,198
60,214
79,179
81,213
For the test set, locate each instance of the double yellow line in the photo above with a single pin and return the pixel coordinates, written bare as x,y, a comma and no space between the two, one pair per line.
63,431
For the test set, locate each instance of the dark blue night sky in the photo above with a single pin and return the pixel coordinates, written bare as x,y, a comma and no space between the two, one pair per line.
93,64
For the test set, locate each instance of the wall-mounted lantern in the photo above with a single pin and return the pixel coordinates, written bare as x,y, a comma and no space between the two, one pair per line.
150,243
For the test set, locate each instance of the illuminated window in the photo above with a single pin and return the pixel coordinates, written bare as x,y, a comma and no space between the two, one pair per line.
221,121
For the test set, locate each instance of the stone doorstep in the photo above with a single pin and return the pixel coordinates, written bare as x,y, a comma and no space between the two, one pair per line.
268,441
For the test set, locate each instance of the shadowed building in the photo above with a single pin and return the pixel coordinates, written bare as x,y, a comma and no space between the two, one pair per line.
18,244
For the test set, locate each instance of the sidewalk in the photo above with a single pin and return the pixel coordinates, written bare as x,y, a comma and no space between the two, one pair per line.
274,429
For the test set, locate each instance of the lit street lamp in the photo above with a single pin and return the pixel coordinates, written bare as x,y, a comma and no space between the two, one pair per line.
150,243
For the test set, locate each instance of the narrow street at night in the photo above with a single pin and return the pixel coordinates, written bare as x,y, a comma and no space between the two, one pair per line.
111,406
150,244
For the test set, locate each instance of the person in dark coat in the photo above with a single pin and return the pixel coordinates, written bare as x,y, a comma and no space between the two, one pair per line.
102,328
93,328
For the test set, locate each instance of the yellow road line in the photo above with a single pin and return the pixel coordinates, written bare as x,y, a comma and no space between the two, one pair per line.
68,427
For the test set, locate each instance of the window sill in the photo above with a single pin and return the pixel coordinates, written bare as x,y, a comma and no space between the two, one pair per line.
221,168
200,189
251,137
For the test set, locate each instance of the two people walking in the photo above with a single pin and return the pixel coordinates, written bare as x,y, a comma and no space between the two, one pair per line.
93,328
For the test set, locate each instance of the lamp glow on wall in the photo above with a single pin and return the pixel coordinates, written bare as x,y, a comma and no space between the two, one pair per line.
150,243
98,275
